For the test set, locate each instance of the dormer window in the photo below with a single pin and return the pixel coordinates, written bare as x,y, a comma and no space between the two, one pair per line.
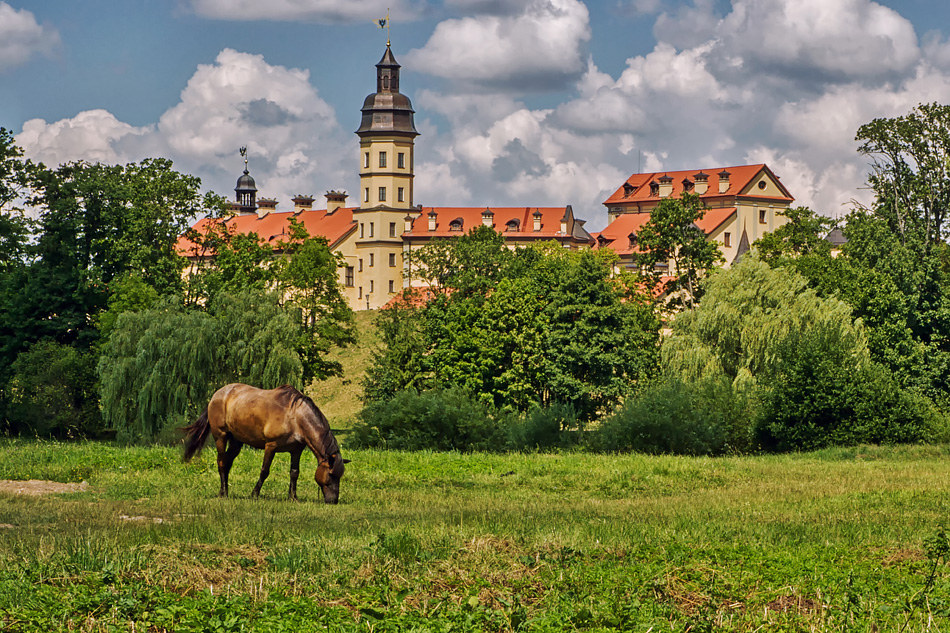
628,189
456,224
654,188
632,238
512,225
687,184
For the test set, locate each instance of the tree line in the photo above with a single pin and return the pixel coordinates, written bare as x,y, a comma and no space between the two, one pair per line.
106,329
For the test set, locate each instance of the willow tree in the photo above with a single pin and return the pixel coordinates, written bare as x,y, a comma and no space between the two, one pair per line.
804,356
160,366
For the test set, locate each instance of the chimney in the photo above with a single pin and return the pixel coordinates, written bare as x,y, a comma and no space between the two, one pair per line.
537,220
335,200
408,220
724,181
702,182
432,215
488,217
265,206
302,203
666,186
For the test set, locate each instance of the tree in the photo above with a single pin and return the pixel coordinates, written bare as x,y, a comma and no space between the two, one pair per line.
546,326
911,178
803,234
672,238
161,366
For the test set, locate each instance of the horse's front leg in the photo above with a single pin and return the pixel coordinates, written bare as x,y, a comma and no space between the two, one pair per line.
269,449
294,473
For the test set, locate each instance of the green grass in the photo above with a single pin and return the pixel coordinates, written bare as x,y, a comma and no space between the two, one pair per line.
835,540
340,398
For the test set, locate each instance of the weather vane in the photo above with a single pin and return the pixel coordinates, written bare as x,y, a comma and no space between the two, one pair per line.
243,151
383,23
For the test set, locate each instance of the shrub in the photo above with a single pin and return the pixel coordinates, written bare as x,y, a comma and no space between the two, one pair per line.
706,417
815,405
438,419
52,393
555,426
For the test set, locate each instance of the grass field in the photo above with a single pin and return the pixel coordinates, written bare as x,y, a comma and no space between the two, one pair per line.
842,540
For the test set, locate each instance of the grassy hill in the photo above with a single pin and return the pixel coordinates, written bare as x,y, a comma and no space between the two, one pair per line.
340,398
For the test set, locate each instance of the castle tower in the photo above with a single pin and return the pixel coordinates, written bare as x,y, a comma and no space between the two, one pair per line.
387,133
386,136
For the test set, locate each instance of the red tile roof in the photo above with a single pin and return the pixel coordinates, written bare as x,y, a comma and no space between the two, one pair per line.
273,227
617,234
472,216
740,177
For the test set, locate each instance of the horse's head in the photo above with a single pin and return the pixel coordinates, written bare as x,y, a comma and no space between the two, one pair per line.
328,476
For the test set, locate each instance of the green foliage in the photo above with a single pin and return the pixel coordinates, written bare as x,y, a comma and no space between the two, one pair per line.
553,427
440,419
160,366
52,393
803,234
551,327
671,244
708,416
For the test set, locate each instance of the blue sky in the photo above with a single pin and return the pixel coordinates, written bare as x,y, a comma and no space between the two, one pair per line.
520,102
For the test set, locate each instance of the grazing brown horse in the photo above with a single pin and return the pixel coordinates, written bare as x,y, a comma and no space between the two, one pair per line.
276,420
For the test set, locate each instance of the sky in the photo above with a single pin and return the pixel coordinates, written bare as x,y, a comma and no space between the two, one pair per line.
518,102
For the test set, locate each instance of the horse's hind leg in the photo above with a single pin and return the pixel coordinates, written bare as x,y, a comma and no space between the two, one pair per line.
227,451
269,450
294,473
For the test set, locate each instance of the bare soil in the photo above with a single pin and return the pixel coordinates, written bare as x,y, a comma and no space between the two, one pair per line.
37,487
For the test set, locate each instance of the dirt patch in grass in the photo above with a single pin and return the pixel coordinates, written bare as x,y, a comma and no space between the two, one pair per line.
37,487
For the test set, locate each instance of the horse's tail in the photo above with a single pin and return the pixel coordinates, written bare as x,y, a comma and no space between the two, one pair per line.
196,435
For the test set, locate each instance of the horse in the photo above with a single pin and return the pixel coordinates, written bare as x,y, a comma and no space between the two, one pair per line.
276,420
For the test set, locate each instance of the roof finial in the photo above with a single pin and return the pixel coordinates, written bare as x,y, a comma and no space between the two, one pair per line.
243,151
383,23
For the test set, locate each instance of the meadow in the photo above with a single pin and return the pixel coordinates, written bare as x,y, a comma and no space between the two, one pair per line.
837,540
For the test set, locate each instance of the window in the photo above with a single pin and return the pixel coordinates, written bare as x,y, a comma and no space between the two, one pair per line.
366,160
400,194
727,239
761,216
361,264
382,159
361,230
371,229
392,229
371,258
392,260
371,285
360,296
401,160
366,194
349,277
392,286
382,194
762,184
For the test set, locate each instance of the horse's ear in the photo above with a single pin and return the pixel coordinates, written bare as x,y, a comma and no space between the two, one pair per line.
347,461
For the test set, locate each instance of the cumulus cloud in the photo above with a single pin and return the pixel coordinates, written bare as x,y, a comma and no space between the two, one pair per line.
21,37
320,11
292,135
541,47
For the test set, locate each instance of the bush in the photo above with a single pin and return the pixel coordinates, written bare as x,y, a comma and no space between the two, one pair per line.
555,426
438,419
706,417
815,404
52,393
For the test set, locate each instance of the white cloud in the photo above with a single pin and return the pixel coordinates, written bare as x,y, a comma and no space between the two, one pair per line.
540,48
93,136
292,135
21,37
321,11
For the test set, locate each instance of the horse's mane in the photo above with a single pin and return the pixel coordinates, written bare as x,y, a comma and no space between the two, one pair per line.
291,397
